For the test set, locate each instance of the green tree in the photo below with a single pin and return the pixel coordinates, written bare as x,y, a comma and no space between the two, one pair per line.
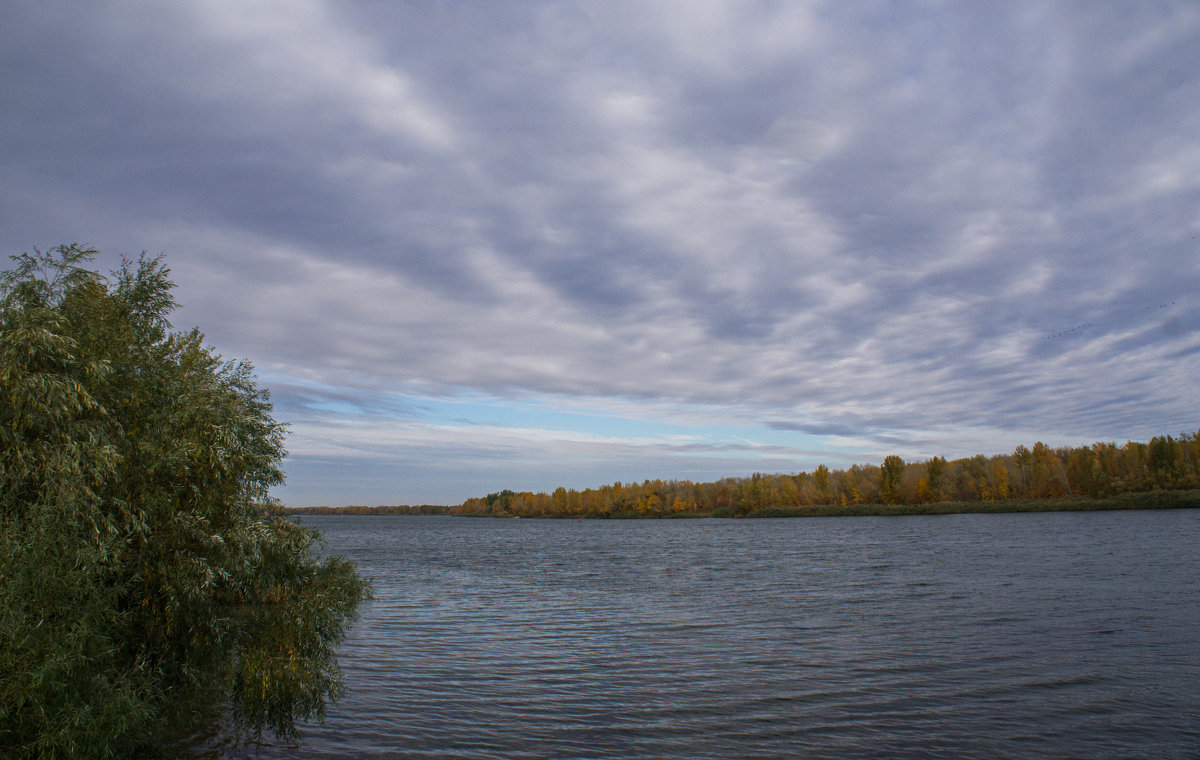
936,469
1024,460
1163,461
890,476
143,565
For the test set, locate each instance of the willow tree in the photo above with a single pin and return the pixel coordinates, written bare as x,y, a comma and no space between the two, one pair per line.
144,567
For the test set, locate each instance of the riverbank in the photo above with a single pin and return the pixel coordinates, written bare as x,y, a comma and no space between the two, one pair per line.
355,509
1145,500
1184,499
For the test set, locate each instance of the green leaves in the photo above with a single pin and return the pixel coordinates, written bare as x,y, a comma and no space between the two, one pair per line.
139,566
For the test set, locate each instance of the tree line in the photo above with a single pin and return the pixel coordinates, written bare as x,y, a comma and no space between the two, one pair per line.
387,509
1095,472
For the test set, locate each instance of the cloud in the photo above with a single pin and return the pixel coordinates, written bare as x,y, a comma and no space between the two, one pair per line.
822,224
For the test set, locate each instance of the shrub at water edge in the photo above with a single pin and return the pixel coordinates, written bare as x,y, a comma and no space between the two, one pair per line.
144,570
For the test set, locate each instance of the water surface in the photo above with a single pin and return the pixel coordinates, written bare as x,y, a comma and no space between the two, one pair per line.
1011,635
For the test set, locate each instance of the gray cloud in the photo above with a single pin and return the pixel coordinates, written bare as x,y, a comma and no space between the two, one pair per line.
897,223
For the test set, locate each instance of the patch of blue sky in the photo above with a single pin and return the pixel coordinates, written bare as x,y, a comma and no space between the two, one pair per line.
548,415
688,431
657,423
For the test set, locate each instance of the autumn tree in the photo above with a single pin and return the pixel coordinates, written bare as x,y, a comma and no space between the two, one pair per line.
1096,471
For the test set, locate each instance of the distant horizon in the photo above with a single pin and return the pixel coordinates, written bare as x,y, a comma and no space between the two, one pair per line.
1180,434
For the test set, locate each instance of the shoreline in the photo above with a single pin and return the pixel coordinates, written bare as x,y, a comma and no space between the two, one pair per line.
1182,499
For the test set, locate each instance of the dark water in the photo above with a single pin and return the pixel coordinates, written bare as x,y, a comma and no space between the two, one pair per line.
1037,635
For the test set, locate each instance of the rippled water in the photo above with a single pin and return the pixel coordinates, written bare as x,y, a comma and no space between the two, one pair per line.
1026,635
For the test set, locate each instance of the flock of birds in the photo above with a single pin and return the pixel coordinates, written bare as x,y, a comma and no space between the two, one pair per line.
1076,330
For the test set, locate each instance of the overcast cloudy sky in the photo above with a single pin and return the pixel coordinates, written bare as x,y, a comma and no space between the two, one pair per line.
471,246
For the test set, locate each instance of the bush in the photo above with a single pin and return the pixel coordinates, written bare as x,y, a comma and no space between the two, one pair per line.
143,565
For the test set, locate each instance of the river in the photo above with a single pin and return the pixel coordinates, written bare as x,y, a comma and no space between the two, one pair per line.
960,636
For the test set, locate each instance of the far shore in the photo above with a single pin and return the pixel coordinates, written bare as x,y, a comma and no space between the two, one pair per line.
400,509
1186,499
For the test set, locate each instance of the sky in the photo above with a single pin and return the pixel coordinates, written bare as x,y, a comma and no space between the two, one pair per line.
471,246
